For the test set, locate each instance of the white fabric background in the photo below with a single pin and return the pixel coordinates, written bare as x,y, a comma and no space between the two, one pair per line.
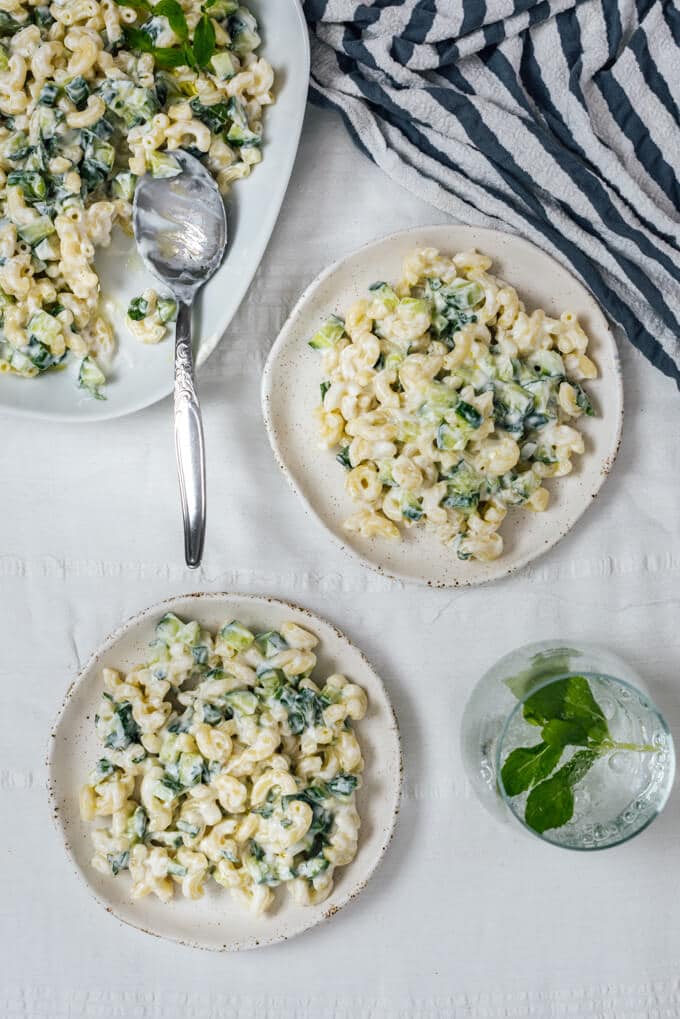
464,917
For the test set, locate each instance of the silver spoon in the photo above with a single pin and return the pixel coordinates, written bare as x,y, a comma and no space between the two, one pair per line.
181,232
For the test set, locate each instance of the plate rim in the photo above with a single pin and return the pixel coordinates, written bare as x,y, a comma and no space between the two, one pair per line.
54,804
267,385
270,217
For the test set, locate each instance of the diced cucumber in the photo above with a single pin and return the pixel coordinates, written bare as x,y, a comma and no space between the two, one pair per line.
386,294
192,830
104,769
17,145
43,16
547,362
137,825
91,377
138,309
118,861
583,400
242,701
168,627
243,137
463,487
220,8
167,788
167,309
78,91
200,654
123,729
169,753
123,185
190,768
41,356
330,333
98,151
164,166
271,681
411,507
270,643
44,328
132,103
342,456
469,414
242,28
313,867
235,635
49,93
342,784
223,65
212,714
35,232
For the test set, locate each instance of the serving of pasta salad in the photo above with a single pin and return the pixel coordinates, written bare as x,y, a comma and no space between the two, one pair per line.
223,757
447,402
93,95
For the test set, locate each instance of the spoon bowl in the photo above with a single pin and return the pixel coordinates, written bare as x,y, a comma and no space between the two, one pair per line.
180,226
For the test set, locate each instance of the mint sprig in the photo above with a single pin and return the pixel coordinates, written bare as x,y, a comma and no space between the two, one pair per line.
171,10
204,40
569,716
195,54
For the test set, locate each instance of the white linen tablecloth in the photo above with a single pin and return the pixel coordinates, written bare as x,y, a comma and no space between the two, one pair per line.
464,917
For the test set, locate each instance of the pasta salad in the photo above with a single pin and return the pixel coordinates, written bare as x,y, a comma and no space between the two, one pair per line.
93,95
447,402
224,758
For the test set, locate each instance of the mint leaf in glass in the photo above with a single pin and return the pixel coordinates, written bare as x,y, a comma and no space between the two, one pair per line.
550,804
526,766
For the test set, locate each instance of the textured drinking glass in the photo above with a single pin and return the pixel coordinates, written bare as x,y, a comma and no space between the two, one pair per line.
565,740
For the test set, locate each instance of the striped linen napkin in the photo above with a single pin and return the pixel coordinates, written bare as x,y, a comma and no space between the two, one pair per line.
556,120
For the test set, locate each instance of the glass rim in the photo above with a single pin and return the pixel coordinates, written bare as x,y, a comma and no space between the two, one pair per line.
504,731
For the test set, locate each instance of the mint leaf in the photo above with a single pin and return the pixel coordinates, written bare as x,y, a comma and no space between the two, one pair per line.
547,703
173,56
526,766
560,733
550,804
204,41
137,5
543,665
171,10
138,40
579,766
581,706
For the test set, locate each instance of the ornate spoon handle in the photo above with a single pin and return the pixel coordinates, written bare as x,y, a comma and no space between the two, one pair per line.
189,441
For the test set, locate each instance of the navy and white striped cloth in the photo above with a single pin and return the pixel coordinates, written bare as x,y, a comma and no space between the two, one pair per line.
557,120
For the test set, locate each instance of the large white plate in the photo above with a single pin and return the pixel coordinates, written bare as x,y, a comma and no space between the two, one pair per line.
216,921
140,374
290,392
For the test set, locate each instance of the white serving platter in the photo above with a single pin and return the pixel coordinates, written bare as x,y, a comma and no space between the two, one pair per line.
140,374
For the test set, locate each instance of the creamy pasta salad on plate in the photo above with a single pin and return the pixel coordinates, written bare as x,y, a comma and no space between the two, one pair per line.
464,407
447,402
234,748
93,95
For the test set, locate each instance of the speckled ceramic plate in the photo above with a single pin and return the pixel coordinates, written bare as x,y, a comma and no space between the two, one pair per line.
216,921
142,374
290,392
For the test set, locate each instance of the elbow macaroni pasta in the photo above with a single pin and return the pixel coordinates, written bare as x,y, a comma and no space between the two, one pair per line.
93,94
225,759
448,403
